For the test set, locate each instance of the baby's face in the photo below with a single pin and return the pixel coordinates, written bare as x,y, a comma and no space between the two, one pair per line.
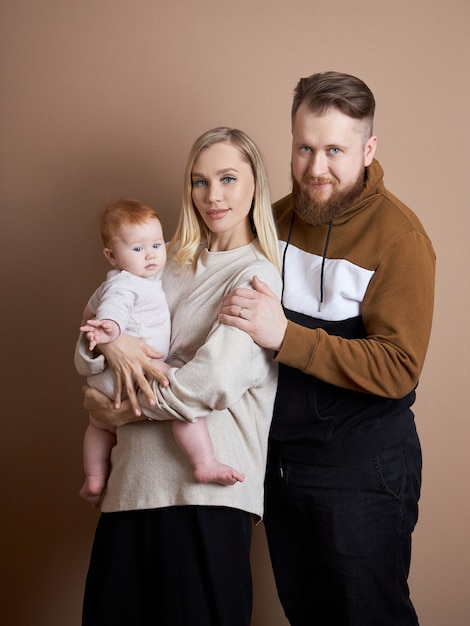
139,249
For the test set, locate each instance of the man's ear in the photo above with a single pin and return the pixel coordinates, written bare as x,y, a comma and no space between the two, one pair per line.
369,150
109,254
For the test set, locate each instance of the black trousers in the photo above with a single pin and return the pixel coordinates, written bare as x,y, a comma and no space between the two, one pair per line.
176,566
340,537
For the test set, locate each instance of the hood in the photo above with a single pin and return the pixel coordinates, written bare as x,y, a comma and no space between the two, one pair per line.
374,187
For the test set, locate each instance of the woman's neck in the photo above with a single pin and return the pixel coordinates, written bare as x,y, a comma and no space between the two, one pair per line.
222,242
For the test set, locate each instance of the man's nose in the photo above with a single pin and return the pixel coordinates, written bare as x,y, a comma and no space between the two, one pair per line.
318,164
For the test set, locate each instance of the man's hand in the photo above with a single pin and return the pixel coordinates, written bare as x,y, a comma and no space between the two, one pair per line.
258,312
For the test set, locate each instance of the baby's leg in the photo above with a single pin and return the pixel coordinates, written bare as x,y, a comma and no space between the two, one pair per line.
97,446
195,442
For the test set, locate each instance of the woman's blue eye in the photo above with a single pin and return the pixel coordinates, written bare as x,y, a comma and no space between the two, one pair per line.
228,179
199,183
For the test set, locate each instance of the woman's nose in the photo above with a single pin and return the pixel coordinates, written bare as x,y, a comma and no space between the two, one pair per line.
214,193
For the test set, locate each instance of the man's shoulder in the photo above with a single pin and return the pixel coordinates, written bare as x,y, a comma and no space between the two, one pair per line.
282,206
282,210
395,212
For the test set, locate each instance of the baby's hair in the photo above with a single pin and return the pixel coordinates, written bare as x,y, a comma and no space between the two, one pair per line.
120,213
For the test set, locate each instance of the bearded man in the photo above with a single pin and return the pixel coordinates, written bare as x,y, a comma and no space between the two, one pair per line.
350,334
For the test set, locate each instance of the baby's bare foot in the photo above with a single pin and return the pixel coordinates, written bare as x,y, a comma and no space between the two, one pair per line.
92,490
212,471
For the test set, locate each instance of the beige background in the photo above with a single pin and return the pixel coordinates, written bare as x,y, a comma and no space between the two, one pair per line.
102,99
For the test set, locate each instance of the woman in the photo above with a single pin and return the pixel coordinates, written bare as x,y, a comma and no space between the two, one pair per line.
169,550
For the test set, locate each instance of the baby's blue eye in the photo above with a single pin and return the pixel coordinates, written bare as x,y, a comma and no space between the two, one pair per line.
138,249
156,246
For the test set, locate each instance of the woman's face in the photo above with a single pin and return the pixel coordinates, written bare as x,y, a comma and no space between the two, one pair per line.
223,187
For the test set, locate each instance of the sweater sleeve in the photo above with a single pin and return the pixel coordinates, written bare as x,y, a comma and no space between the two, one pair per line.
221,372
117,300
397,315
87,363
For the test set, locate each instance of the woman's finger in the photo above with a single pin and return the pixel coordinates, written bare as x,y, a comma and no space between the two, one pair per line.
118,390
148,392
131,393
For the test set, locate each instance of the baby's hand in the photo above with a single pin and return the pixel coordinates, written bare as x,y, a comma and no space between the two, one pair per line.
100,331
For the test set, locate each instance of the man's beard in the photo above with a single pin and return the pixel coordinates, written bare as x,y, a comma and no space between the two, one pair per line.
321,212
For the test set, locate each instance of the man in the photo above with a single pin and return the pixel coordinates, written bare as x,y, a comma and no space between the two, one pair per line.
344,471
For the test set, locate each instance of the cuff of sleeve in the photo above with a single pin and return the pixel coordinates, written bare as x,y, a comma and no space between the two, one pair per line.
146,408
298,347
162,411
87,363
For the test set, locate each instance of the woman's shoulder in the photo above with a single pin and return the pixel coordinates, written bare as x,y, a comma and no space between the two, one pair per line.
259,265
259,258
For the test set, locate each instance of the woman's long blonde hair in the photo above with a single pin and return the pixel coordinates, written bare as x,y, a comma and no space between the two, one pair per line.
191,231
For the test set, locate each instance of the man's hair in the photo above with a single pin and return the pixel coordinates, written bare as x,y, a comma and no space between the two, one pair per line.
334,90
120,213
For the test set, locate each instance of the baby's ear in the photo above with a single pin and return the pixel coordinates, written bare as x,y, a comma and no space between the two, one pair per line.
109,254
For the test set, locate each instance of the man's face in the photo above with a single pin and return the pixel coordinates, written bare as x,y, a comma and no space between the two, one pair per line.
329,155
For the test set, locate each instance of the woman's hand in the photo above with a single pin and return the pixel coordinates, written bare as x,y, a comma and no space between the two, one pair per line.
130,361
102,409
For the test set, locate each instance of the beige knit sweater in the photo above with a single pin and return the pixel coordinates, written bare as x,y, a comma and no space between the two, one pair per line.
218,374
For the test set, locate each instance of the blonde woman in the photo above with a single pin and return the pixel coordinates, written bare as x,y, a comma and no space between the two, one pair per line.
169,550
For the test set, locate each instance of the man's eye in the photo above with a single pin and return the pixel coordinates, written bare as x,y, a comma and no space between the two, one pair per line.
335,150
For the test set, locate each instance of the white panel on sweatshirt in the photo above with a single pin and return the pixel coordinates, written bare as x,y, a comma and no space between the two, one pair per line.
344,285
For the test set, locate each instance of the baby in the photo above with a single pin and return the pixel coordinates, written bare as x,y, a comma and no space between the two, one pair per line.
131,300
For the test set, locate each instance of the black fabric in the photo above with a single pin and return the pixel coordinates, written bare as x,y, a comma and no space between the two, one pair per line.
315,421
340,537
177,566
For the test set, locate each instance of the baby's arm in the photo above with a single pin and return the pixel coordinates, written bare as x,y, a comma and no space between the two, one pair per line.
100,331
88,314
